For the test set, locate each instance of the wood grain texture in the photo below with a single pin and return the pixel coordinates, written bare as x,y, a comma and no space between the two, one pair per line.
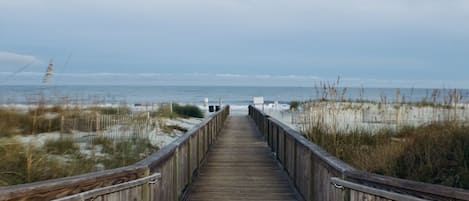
240,166
420,189
125,191
369,193
52,189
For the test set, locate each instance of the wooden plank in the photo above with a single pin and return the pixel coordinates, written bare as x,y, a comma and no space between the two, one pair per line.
56,188
183,167
112,189
303,171
369,192
200,145
206,139
281,147
240,167
429,191
155,190
167,181
193,159
366,191
290,156
275,139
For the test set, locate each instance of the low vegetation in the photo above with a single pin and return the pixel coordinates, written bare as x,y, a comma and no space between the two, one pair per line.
13,121
111,110
24,163
61,146
43,118
54,158
294,105
176,110
188,111
437,153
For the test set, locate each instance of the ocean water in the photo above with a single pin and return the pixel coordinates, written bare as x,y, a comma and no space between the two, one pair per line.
232,95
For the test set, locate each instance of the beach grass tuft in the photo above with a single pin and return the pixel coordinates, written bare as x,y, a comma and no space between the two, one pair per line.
25,163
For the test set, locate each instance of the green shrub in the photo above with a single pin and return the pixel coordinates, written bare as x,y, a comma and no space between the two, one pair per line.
188,111
294,105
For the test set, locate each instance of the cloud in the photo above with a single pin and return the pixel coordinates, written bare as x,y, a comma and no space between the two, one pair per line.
228,75
206,79
11,61
16,63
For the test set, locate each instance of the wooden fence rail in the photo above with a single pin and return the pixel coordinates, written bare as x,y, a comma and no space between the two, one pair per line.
164,175
317,175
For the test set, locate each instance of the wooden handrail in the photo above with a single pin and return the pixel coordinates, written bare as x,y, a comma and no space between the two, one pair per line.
316,167
325,156
343,184
420,189
176,163
112,189
54,188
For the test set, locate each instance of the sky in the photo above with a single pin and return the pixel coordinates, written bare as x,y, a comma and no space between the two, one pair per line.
372,43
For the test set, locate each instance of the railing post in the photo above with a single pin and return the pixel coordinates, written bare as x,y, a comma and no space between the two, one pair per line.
312,184
175,175
265,127
198,148
295,162
189,161
146,187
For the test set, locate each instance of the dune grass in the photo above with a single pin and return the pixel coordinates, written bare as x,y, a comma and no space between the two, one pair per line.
55,158
18,122
25,163
41,118
61,146
436,153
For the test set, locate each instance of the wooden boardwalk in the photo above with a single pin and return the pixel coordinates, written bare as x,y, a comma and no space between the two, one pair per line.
235,164
240,166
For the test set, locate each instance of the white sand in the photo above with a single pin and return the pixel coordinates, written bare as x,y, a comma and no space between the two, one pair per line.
346,116
156,135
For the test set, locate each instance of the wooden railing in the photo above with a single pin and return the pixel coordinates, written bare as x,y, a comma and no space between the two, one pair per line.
317,175
165,175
